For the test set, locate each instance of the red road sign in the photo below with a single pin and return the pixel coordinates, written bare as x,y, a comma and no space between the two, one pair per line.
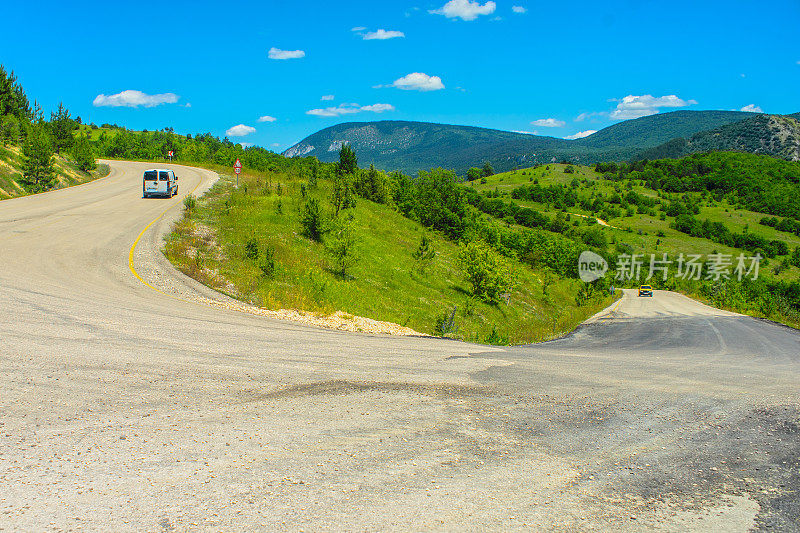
237,167
169,153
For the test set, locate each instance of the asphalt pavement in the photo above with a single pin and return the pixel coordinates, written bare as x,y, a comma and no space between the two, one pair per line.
131,399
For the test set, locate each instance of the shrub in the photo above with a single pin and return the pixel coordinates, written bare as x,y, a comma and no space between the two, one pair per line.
267,262
342,245
312,220
446,323
424,254
190,202
251,249
486,270
596,238
495,337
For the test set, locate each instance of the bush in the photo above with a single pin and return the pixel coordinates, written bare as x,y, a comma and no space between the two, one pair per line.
795,260
424,254
267,262
342,245
486,270
595,238
190,202
495,337
446,323
251,249
312,220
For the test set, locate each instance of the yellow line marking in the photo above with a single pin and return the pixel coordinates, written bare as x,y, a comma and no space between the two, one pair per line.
608,316
131,265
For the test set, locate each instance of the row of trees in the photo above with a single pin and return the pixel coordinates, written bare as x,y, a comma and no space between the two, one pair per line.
719,233
756,182
25,126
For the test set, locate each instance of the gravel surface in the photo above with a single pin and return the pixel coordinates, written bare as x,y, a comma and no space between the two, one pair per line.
132,409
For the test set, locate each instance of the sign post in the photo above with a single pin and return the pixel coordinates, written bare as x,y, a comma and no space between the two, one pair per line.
237,167
169,153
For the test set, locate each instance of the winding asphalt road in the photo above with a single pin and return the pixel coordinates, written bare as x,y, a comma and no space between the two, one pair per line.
131,400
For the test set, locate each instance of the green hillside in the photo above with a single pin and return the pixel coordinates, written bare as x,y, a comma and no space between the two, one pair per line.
653,130
721,202
774,135
255,244
412,146
252,243
65,172
38,155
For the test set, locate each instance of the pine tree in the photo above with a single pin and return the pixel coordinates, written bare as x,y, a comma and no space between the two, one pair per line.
12,98
37,168
343,244
487,170
62,127
348,162
82,152
424,254
9,130
343,195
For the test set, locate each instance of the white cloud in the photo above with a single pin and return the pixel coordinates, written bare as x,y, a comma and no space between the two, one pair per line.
418,81
549,123
580,135
584,116
465,9
518,9
277,53
640,106
752,108
358,28
275,145
378,108
132,98
246,145
383,35
267,118
240,130
327,97
349,109
524,132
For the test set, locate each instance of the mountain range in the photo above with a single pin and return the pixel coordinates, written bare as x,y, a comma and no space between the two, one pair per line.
413,146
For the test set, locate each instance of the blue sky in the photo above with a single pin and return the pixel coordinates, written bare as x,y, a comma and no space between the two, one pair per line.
555,68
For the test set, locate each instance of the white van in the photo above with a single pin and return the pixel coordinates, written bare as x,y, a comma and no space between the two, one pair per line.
159,182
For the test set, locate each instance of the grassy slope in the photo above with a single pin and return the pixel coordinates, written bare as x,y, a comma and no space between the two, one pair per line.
627,228
67,173
385,285
673,241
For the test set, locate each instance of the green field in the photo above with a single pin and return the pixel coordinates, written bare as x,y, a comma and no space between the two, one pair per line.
384,283
643,232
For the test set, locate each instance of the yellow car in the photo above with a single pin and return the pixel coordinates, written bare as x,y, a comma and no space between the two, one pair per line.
646,290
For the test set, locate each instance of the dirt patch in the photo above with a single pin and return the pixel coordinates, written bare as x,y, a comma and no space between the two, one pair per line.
339,320
343,387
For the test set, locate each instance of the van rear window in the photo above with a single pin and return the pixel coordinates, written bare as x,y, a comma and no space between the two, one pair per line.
151,175
163,176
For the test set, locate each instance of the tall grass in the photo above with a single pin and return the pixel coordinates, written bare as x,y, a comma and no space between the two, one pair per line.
384,282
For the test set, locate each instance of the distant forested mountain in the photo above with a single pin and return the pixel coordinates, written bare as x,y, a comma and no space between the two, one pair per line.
773,135
413,146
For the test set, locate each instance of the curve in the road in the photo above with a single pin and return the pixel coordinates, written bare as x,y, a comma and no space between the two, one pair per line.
131,409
